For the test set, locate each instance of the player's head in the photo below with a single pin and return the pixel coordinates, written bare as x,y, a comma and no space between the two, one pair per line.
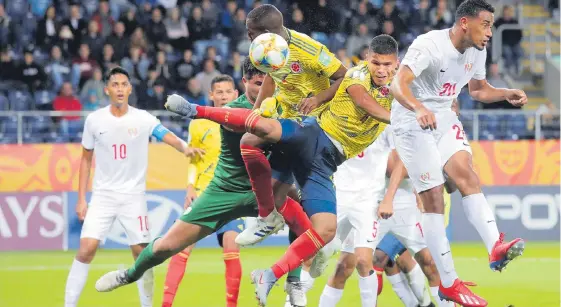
475,18
263,19
252,80
222,90
118,86
382,58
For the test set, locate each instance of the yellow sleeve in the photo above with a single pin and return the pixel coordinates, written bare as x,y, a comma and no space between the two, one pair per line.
194,139
356,76
325,62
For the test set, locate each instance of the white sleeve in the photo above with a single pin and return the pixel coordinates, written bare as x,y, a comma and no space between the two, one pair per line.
480,72
88,137
419,56
152,121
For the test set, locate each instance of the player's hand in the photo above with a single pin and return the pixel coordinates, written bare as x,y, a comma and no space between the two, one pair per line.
268,107
385,210
307,105
516,97
190,197
81,210
425,118
193,152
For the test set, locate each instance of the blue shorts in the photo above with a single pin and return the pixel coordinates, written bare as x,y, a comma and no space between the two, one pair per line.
237,225
391,246
306,154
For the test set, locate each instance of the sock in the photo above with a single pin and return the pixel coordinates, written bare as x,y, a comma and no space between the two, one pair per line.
236,119
330,297
146,288
295,274
259,171
479,214
302,249
295,216
380,275
402,290
176,270
233,277
306,280
439,302
75,283
416,279
437,242
145,261
368,286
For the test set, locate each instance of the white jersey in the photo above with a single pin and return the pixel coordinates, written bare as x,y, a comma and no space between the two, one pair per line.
441,72
120,147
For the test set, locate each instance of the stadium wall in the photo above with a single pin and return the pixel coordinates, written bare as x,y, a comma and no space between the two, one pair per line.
38,184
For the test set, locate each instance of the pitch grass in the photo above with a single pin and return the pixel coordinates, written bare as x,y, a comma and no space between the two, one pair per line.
37,279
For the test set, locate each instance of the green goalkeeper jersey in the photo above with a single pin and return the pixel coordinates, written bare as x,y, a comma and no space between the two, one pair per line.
230,173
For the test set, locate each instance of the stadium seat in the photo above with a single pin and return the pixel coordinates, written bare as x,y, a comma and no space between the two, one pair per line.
16,9
20,100
8,139
57,138
517,126
4,103
43,97
38,124
321,37
338,41
29,138
489,124
10,125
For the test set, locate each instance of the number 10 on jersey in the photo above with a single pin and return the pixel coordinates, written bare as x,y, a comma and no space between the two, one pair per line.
119,151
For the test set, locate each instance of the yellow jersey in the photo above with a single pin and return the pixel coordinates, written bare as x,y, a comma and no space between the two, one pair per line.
447,205
204,134
347,123
306,73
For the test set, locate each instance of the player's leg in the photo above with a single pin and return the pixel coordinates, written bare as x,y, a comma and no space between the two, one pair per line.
333,290
174,275
231,253
146,283
100,216
400,286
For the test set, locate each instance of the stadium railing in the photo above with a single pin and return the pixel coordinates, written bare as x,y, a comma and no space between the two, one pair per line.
497,50
21,127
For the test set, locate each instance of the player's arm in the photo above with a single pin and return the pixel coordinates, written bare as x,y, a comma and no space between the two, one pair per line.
267,90
83,180
482,91
365,101
162,134
192,175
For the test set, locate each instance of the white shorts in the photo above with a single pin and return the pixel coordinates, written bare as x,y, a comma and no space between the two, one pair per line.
424,152
129,209
355,217
405,224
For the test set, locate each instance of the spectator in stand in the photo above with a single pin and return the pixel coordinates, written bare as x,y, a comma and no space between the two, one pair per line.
108,60
66,41
420,18
176,27
103,18
297,23
210,14
47,30
85,64
156,31
206,76
161,67
198,29
193,92
60,70
185,69
94,40
388,28
360,38
234,69
496,80
154,95
130,21
322,18
239,31
341,54
362,15
440,16
139,40
7,29
227,18
390,13
361,55
119,41
212,54
512,51
137,65
92,95
66,101
31,73
78,26
8,67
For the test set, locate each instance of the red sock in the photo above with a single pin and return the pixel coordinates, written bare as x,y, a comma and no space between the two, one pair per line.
233,277
380,275
295,216
302,249
235,119
259,171
176,270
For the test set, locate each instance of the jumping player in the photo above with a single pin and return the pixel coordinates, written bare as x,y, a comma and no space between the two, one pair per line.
429,137
118,136
205,134
314,148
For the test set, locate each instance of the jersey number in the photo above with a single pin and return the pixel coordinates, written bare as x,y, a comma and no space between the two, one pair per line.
121,153
361,155
420,229
143,222
449,89
460,134
375,229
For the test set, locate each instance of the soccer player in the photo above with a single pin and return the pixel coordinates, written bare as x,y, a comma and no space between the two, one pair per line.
315,147
227,197
205,134
118,136
429,137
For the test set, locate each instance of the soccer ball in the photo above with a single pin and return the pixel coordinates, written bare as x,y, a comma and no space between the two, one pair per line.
268,52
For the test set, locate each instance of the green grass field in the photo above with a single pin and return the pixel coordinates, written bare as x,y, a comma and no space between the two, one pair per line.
37,279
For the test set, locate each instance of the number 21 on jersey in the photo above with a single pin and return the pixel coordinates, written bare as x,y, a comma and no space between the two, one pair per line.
448,89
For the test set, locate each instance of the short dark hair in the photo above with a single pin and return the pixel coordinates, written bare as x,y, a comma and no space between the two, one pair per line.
383,44
249,70
265,16
221,78
472,8
116,71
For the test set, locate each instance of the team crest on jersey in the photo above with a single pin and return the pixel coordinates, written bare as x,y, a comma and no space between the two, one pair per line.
133,132
295,67
468,67
425,176
384,91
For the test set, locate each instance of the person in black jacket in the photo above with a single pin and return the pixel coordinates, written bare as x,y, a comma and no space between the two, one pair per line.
512,51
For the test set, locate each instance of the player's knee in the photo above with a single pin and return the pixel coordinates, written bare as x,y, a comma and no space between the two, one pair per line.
428,266
164,247
229,241
468,183
86,251
344,269
364,264
433,201
327,233
380,259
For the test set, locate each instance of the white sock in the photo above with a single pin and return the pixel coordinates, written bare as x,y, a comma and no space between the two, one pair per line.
439,302
146,288
417,283
75,283
306,280
401,288
439,247
479,214
368,289
330,296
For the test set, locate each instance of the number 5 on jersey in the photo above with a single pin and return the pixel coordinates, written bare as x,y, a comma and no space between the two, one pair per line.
119,151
